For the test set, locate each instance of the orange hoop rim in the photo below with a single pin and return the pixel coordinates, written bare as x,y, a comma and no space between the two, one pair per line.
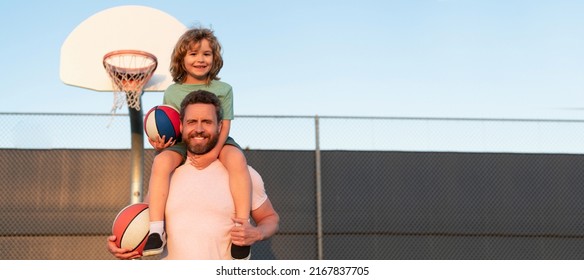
124,70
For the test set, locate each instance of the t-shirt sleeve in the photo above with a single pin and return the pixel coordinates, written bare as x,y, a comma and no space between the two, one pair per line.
167,98
227,104
259,195
164,99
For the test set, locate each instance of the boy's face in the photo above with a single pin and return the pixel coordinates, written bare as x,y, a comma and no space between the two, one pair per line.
198,62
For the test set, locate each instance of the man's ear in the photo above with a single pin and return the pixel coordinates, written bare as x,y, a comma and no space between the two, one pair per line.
219,126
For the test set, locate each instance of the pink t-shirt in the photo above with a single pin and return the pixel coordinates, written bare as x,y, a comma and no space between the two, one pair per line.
199,210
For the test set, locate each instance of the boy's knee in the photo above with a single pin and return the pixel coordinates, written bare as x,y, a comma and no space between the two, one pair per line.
167,160
232,154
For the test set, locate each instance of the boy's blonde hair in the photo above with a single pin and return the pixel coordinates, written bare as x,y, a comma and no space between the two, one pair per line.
186,43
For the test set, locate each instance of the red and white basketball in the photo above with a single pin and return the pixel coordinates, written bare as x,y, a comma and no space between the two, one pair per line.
162,120
131,226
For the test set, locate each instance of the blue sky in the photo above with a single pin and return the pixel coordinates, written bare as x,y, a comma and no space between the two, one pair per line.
422,58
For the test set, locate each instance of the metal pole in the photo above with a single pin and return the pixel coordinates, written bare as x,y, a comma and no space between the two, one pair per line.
137,156
318,192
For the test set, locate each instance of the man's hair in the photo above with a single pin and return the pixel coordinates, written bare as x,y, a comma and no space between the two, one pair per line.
202,97
185,44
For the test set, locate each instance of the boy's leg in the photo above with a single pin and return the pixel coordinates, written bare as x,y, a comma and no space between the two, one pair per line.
240,186
162,166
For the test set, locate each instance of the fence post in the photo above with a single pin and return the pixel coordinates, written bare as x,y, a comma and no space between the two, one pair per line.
137,156
318,190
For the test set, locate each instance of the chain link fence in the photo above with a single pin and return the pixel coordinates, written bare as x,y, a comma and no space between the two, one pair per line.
105,131
345,187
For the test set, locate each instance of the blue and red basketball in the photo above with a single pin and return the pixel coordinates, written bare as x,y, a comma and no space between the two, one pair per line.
162,120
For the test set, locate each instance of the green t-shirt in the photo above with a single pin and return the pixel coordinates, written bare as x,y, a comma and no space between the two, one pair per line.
175,94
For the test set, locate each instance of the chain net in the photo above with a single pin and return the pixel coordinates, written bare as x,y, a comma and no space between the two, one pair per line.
129,71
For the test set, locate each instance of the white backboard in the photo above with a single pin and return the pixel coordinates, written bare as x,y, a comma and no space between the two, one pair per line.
119,28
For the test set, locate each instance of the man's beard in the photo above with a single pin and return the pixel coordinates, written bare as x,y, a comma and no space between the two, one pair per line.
201,149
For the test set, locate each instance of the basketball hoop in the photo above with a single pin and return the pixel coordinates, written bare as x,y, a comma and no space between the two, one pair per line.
129,71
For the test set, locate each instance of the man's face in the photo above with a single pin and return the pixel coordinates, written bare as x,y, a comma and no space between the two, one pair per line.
200,128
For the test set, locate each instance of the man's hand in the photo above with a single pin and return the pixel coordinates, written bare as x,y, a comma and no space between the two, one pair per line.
244,234
122,254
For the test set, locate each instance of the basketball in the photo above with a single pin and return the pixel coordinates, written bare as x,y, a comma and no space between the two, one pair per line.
131,227
162,120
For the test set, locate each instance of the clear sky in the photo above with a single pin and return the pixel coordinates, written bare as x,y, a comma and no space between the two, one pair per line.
422,58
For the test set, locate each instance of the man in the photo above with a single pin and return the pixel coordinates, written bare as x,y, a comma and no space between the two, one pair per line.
199,208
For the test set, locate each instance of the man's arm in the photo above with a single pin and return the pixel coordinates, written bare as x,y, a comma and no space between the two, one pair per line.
267,224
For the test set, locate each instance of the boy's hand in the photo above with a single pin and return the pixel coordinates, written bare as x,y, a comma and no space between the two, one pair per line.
161,144
202,161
